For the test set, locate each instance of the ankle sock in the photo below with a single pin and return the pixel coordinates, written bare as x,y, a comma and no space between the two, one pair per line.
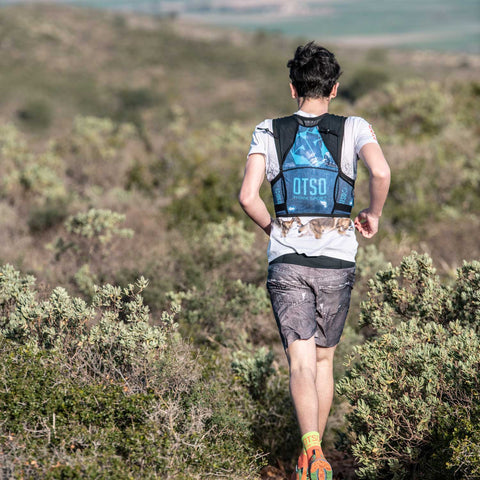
311,441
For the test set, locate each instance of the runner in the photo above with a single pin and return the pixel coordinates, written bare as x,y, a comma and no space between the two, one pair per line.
310,159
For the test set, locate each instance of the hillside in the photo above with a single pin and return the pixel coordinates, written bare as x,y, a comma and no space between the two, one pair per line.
122,147
86,58
439,25
59,62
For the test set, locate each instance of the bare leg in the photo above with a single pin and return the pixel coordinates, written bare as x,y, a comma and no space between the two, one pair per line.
324,385
302,358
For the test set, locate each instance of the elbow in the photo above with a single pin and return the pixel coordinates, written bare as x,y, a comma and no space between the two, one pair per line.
247,199
244,199
382,173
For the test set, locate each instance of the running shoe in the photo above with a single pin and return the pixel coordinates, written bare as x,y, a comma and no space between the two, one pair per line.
319,468
301,468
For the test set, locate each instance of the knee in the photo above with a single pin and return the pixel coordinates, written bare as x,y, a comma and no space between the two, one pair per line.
324,365
324,357
302,371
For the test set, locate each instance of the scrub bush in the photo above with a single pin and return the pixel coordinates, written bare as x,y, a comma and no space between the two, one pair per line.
59,321
219,242
414,384
253,369
99,138
25,175
414,290
97,390
203,171
418,199
120,329
269,406
36,114
362,81
48,215
90,233
413,109
218,248
222,312
85,280
56,423
136,98
217,251
100,225
122,333
98,151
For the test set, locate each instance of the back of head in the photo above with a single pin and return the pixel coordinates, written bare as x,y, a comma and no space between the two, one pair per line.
314,71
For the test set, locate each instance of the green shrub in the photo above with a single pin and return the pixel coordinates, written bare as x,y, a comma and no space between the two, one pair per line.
253,369
136,98
56,424
56,427
122,333
419,370
269,410
221,312
121,330
465,440
27,175
465,304
89,391
466,103
200,169
416,198
362,81
86,281
218,251
213,197
98,138
369,260
414,290
90,233
48,215
47,324
413,109
98,151
36,114
97,224
217,242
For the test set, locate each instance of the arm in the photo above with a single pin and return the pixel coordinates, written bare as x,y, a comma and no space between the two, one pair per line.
249,196
367,220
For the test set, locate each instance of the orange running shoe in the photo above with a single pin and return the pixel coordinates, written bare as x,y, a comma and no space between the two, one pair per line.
319,468
301,470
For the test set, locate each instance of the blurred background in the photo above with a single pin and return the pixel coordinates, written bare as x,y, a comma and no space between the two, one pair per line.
442,25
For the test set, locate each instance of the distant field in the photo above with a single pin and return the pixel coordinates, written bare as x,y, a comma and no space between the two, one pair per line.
433,24
448,25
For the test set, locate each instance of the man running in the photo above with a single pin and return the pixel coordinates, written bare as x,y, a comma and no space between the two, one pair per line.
310,159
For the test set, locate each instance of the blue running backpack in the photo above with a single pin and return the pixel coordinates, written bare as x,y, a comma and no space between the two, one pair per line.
311,181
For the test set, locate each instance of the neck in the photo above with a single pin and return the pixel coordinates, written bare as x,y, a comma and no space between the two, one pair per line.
314,106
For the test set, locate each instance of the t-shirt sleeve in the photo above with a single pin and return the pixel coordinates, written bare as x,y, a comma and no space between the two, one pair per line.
363,134
259,142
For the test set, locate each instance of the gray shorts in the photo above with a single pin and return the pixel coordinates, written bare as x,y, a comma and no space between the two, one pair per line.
310,302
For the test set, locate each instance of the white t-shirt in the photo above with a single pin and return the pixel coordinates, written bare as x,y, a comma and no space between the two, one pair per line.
314,236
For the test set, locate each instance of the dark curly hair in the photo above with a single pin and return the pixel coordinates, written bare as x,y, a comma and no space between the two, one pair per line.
314,71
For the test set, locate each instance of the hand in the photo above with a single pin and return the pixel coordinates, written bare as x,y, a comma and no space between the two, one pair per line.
268,228
366,223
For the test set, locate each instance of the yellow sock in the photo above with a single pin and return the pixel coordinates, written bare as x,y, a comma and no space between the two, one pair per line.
311,441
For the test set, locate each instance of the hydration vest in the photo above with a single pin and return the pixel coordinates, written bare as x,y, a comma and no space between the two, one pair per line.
311,181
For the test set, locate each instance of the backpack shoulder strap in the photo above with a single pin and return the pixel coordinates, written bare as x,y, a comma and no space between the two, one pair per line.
331,128
284,131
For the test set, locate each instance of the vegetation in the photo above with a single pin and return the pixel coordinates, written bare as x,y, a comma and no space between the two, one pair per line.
136,338
114,397
414,383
